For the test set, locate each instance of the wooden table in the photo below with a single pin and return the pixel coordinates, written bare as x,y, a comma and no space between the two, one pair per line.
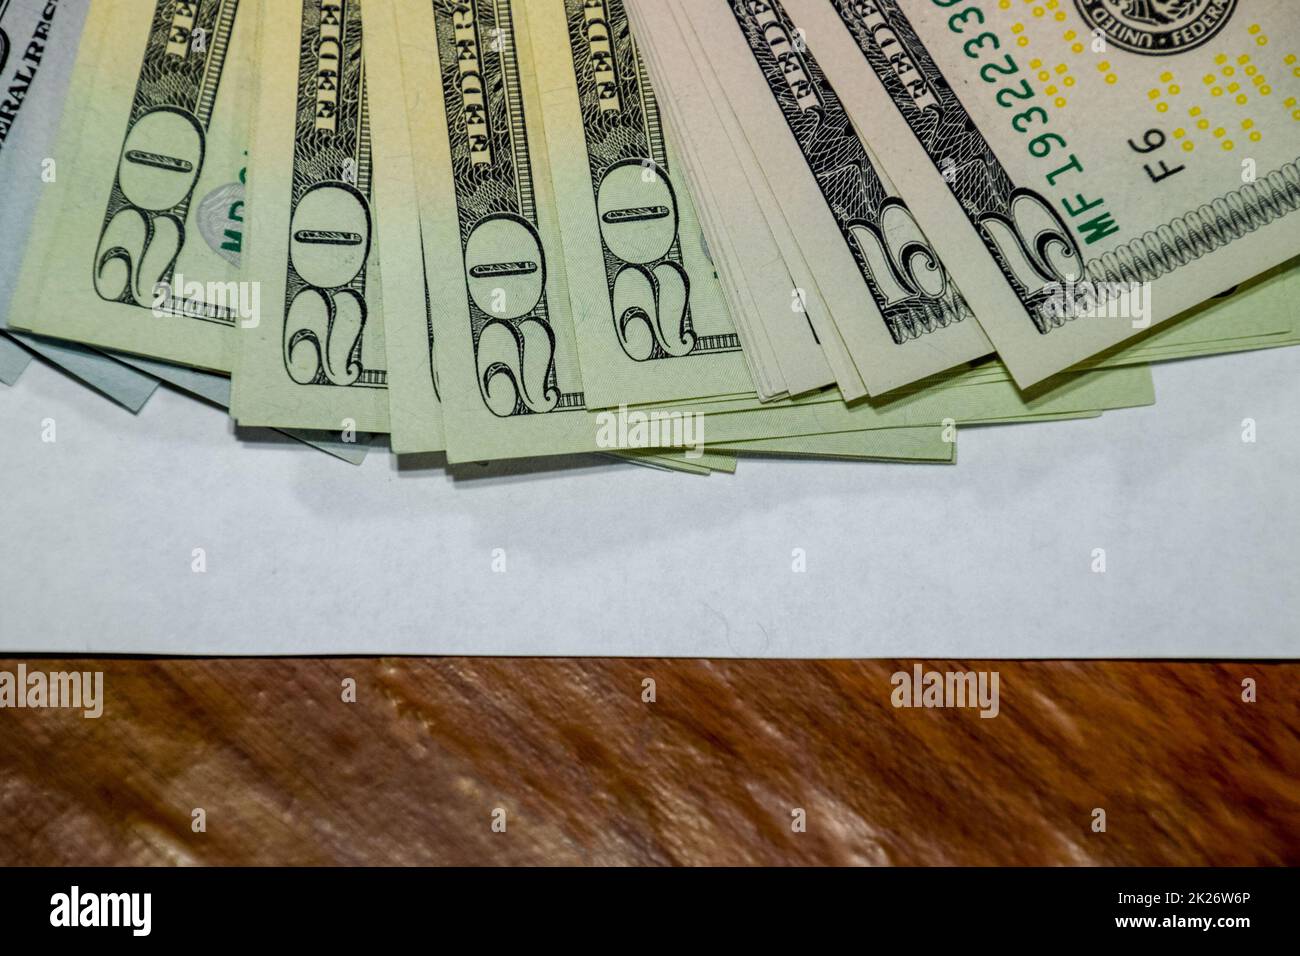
287,772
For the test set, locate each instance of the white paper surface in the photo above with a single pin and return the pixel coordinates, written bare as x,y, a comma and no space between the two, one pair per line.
991,558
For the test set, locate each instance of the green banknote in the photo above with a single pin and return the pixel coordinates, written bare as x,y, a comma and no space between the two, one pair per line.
508,375
648,310
1260,313
415,412
150,149
315,357
35,78
932,443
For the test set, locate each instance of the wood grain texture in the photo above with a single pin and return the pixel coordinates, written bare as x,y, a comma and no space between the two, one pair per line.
589,774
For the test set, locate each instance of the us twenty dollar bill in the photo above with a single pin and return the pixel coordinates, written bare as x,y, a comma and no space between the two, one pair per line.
507,362
316,359
125,251
648,309
1086,168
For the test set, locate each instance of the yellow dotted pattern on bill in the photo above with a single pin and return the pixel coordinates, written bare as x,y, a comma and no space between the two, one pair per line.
1234,84
1057,80
1234,81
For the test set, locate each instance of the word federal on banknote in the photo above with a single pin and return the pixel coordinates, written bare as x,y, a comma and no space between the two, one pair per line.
1112,143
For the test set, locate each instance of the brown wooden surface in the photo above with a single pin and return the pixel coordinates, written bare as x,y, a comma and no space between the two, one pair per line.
410,774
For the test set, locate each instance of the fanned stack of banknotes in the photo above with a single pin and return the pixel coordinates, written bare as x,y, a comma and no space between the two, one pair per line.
676,231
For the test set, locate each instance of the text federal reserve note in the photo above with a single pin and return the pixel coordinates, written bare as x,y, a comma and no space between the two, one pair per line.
1087,168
